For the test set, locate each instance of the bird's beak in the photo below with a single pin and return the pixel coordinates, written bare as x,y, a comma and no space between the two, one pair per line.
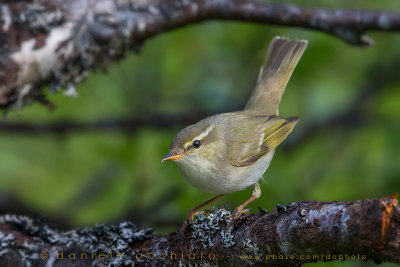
172,156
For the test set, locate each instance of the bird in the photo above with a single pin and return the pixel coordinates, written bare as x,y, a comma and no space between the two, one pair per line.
229,152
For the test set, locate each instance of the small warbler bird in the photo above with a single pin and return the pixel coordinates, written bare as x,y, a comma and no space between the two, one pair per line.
228,152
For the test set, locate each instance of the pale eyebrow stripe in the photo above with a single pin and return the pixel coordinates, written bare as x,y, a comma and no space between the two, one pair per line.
200,136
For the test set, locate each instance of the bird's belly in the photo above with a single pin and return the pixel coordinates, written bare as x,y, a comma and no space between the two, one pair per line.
205,176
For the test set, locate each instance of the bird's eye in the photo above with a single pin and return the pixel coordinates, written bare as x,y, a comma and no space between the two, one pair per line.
196,144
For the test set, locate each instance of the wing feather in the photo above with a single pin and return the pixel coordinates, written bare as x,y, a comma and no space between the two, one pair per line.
249,149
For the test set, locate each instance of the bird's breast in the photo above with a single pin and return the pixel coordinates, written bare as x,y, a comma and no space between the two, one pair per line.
208,177
200,173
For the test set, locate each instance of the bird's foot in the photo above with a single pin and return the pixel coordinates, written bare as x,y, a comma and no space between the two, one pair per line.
190,218
239,211
236,215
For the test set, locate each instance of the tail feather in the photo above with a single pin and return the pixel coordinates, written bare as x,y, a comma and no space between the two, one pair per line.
282,58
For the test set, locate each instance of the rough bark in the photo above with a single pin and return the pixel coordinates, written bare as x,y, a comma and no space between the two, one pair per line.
56,43
300,232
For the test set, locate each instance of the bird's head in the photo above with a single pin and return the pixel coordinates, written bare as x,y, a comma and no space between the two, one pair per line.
197,140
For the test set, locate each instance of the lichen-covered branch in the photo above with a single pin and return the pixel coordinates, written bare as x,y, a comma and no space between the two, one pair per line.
300,232
56,43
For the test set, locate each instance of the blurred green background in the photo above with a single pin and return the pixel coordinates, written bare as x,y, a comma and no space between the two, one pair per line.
346,146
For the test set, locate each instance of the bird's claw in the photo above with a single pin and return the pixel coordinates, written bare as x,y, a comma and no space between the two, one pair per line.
239,212
190,218
192,215
236,215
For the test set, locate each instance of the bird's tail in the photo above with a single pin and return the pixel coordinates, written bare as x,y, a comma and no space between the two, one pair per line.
282,57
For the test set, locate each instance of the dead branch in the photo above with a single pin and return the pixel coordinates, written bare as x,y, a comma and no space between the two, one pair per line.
300,232
56,43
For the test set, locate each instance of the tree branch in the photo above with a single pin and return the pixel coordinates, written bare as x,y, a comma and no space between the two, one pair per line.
56,43
379,76
128,125
300,232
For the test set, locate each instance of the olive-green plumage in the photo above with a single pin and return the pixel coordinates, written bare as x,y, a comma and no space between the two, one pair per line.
228,152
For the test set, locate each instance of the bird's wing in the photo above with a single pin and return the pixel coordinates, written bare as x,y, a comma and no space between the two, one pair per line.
266,133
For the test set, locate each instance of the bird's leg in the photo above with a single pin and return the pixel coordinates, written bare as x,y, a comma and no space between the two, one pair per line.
256,194
193,212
